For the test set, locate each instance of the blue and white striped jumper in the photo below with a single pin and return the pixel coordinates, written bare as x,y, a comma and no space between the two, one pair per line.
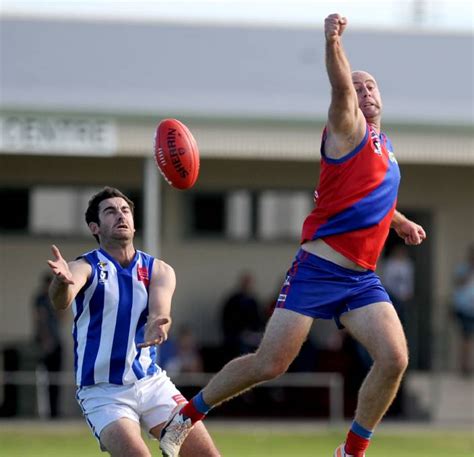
110,314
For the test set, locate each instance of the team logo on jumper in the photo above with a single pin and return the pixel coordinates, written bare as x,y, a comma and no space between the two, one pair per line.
142,275
315,196
281,298
103,273
376,142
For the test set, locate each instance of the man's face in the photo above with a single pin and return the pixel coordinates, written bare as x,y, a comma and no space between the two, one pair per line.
368,95
115,220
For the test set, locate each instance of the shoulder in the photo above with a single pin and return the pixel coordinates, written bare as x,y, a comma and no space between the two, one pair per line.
344,133
80,265
163,277
335,148
388,142
82,272
162,270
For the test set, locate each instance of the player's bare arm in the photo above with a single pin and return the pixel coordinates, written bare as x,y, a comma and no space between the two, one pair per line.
162,286
412,233
68,279
346,123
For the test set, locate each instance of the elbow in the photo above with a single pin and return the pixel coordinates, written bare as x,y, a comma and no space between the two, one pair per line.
341,90
60,306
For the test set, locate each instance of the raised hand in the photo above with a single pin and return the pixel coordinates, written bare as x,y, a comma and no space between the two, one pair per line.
156,331
59,267
334,26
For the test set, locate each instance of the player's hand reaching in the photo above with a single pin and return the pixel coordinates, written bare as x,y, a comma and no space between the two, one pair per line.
59,267
334,26
156,331
412,233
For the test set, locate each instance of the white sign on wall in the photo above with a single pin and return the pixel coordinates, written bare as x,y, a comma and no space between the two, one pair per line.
35,134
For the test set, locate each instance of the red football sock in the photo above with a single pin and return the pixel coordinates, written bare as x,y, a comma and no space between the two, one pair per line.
355,444
190,411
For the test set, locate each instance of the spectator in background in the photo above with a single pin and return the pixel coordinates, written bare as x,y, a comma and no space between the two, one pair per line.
398,277
48,340
184,356
242,323
463,303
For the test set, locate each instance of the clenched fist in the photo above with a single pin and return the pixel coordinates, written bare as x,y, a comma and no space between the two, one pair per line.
334,26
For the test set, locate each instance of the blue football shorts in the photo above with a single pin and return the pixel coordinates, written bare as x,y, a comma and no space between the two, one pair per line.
321,289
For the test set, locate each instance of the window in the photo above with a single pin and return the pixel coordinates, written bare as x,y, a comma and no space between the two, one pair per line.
208,214
280,214
239,220
48,210
222,215
242,215
54,211
15,207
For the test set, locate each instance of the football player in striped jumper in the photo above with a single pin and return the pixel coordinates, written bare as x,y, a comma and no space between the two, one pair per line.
120,296
332,276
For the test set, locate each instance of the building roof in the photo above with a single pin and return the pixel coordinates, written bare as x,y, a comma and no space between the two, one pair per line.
233,70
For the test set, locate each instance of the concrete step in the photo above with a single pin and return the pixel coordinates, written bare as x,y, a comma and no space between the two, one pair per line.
443,397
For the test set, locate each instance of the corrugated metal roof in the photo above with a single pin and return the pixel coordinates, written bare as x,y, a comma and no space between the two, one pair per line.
237,71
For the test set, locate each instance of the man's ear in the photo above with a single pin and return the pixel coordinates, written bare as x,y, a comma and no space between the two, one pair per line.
94,228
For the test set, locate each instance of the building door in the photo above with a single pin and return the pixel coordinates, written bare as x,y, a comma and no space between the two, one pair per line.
417,314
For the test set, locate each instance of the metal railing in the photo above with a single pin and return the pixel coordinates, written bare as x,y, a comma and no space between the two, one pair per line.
41,379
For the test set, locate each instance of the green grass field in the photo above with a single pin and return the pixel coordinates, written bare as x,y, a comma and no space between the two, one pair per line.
17,440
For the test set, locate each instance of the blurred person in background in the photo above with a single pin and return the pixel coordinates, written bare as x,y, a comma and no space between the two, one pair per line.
48,340
333,275
463,304
184,357
119,296
242,323
398,276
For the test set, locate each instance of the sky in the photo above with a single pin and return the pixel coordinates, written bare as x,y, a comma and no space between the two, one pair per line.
435,14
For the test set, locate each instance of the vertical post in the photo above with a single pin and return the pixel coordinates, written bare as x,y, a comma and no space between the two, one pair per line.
42,383
152,208
336,398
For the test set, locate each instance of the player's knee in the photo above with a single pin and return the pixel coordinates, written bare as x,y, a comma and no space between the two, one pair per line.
130,449
270,368
395,363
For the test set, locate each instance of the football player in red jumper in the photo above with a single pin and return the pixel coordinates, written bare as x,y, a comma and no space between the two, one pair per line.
332,276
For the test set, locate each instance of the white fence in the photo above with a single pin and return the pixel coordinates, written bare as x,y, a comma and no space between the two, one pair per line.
41,379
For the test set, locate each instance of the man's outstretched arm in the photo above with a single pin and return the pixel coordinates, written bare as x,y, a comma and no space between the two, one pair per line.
161,290
346,123
68,279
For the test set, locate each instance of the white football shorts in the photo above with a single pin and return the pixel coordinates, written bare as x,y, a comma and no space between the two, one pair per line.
149,402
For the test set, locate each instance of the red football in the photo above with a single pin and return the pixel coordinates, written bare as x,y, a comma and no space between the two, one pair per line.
176,153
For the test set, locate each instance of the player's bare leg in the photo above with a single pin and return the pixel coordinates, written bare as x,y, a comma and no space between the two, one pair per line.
285,334
378,328
198,443
123,438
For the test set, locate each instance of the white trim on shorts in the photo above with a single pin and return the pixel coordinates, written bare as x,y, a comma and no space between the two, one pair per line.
148,402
